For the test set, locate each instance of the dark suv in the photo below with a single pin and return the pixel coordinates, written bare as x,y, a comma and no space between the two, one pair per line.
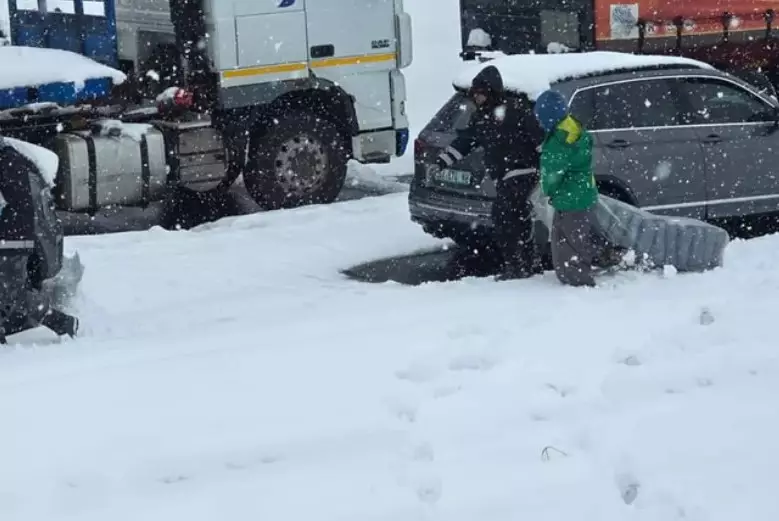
674,140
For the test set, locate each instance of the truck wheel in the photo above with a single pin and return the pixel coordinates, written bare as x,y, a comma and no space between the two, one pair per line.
301,160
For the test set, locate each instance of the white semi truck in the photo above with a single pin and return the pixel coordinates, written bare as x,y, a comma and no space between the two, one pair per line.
283,92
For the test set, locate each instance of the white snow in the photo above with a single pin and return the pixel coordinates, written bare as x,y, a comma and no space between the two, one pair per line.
479,38
557,47
31,66
168,94
232,373
116,128
534,73
43,158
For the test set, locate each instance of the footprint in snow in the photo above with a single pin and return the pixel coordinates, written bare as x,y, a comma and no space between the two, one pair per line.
423,453
169,480
417,373
446,391
562,391
405,412
704,382
472,362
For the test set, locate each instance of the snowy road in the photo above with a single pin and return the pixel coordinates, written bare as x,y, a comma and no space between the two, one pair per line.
232,372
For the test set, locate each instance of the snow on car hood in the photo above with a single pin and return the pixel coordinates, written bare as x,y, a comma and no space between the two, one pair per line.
532,74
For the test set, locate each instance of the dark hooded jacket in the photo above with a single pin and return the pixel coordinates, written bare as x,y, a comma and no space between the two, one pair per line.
504,126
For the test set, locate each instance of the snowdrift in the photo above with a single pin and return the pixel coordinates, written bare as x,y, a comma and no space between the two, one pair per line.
686,244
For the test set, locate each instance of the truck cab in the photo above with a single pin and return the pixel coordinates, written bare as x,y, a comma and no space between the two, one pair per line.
282,94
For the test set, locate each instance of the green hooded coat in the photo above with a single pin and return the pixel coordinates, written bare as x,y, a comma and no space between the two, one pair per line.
566,167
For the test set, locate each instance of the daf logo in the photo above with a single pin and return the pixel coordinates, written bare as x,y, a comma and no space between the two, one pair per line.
286,3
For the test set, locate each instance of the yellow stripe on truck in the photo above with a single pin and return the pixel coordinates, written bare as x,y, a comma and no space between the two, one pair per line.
316,64
354,60
267,69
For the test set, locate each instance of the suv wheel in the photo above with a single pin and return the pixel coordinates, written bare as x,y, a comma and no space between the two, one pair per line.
301,160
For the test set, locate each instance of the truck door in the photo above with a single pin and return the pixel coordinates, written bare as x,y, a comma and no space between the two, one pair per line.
521,26
359,57
86,27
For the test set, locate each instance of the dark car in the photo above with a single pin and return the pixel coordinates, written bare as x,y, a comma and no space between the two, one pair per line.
35,276
679,139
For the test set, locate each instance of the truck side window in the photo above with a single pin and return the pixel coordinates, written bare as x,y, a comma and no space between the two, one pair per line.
634,104
714,101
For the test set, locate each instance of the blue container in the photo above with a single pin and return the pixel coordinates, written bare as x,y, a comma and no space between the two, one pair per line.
60,93
91,36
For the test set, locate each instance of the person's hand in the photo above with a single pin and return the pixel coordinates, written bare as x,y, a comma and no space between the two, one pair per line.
432,171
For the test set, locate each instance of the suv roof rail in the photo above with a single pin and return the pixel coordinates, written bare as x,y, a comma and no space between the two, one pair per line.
636,69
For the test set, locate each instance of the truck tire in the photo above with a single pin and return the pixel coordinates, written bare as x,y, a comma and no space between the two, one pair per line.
300,160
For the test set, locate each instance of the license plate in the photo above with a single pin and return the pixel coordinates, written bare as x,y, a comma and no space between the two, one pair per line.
454,177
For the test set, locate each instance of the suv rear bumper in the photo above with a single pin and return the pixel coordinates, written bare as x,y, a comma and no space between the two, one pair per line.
428,206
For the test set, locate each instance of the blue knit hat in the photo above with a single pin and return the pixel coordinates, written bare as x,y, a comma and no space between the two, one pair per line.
551,108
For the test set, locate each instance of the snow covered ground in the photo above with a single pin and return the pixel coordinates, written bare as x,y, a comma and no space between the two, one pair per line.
231,372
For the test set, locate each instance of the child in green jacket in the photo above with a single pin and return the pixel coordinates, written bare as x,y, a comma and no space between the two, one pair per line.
568,181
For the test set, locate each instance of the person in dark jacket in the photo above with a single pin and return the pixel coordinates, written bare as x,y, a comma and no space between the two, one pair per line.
510,136
567,180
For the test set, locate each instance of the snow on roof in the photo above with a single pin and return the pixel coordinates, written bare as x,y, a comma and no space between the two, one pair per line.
32,66
532,74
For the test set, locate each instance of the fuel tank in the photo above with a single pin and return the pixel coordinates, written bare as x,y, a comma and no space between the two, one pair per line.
97,171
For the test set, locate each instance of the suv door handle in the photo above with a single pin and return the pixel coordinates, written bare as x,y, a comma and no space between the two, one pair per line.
712,138
618,143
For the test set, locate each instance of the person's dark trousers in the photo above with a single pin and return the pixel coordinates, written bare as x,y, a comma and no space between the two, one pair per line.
574,246
513,227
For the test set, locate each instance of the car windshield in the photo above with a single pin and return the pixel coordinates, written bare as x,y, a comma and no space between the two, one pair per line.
454,115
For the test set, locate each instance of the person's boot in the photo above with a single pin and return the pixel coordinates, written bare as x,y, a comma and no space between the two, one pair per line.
514,270
61,323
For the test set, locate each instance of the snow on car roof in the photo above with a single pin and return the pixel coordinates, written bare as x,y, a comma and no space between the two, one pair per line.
46,160
32,66
532,74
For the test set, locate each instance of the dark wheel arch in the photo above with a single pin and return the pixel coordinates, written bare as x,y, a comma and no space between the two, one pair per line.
329,102
614,188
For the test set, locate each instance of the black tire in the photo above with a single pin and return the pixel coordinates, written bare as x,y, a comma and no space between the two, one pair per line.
296,138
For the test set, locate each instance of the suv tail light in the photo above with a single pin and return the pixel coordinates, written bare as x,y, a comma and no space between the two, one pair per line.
419,147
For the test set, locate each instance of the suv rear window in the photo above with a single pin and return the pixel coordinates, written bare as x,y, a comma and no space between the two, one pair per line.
454,115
